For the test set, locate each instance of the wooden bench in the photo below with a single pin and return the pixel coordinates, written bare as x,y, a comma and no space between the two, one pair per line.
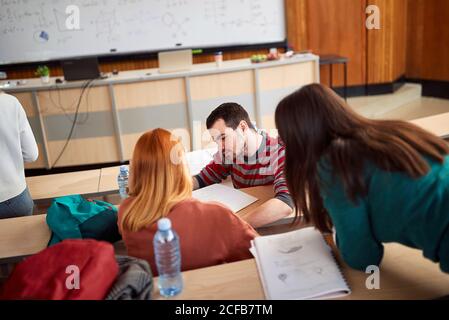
62,184
93,181
24,236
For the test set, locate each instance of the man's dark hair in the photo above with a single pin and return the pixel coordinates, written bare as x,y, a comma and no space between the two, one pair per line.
232,113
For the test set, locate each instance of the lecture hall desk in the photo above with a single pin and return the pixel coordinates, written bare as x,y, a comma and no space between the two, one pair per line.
24,236
62,184
405,274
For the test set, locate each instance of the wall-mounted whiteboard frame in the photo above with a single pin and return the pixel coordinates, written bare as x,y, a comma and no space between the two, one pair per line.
119,54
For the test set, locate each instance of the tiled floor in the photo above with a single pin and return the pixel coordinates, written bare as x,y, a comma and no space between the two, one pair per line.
421,108
405,104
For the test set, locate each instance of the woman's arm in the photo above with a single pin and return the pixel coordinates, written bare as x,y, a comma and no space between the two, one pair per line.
240,240
269,212
354,236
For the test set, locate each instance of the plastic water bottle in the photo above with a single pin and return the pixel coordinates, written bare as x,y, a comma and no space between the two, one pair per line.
122,181
168,259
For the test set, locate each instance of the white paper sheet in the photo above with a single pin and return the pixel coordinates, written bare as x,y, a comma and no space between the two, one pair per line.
234,199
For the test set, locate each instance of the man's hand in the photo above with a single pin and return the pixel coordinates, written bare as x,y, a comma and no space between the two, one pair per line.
271,211
195,183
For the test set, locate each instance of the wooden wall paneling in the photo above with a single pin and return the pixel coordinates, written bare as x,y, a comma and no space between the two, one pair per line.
436,44
386,47
296,16
400,12
428,40
415,38
338,27
379,45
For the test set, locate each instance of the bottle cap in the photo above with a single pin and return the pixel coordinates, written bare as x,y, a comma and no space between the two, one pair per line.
123,168
164,224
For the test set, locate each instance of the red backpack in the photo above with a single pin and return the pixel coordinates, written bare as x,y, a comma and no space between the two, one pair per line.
72,269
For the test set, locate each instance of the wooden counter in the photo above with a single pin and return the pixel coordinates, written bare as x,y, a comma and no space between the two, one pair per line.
114,112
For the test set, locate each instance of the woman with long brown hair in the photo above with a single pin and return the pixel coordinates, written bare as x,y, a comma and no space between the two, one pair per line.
160,186
375,181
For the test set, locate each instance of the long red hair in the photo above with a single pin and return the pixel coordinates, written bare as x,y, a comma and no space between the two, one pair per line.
159,179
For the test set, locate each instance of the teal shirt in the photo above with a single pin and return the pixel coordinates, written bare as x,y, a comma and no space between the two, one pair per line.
397,208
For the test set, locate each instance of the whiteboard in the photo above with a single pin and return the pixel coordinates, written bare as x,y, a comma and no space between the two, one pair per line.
36,30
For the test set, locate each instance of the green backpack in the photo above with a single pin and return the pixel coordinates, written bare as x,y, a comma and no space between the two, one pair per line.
73,217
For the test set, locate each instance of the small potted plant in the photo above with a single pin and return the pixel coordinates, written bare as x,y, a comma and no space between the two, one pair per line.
44,73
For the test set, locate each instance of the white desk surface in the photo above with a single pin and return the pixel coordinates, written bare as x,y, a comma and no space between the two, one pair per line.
437,124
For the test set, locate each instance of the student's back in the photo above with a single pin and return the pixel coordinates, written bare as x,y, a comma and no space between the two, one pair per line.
422,205
160,186
209,233
17,145
375,181
397,208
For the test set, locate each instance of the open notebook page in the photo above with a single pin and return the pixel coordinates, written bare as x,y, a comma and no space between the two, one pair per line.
234,199
298,265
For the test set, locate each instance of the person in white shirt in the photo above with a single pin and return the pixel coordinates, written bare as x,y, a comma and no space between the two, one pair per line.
17,145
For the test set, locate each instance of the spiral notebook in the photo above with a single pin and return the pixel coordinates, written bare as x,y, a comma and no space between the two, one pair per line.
298,265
